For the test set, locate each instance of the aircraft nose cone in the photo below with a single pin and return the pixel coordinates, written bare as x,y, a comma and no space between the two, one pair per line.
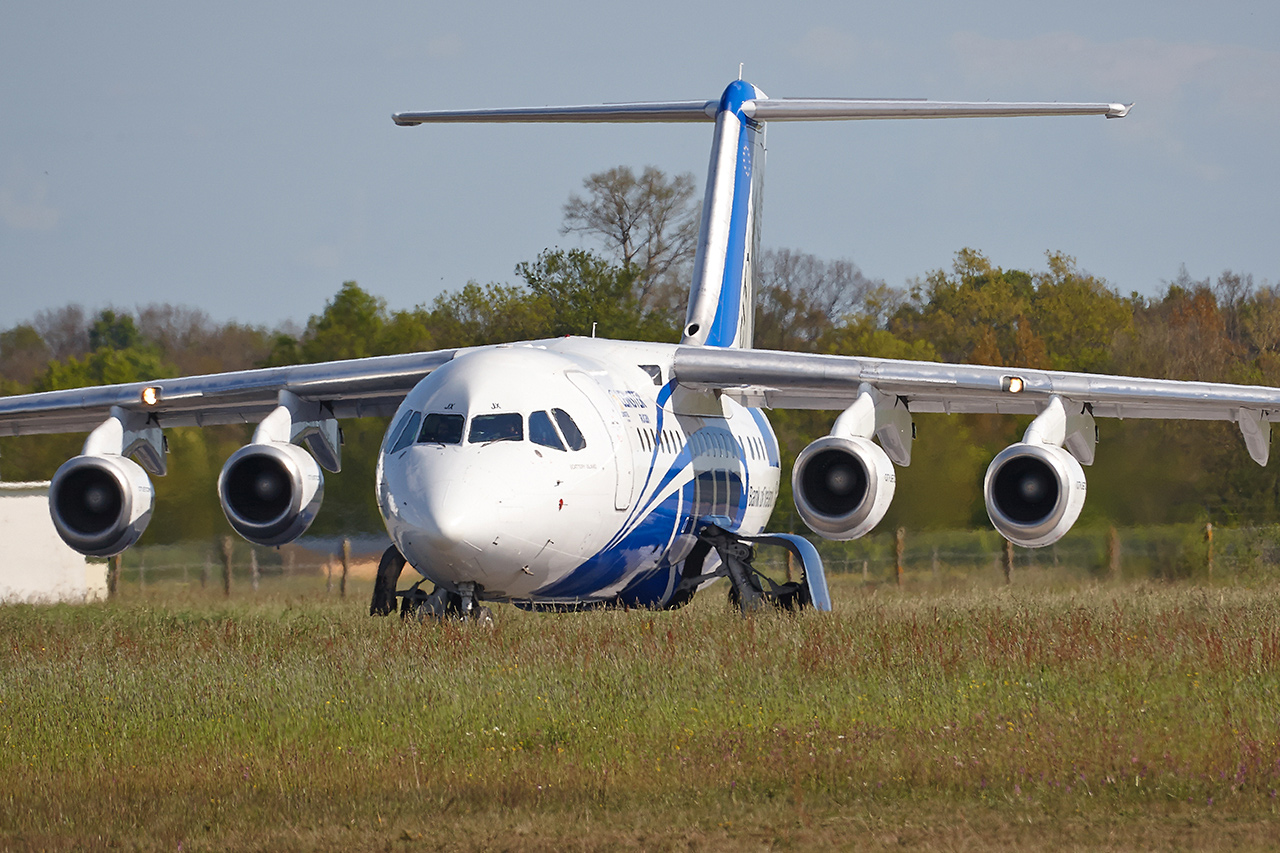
442,519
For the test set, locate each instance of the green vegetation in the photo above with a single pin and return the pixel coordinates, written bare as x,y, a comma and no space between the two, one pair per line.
635,286
1060,715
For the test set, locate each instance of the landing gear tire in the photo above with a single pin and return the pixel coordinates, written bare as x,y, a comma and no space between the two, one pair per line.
791,596
384,586
749,590
439,605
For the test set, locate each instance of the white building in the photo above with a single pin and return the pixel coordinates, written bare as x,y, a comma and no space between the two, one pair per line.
36,566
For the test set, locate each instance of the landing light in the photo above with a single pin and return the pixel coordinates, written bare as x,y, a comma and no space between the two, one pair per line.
1012,384
150,395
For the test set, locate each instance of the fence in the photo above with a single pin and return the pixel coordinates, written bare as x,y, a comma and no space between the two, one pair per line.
959,557
231,564
933,558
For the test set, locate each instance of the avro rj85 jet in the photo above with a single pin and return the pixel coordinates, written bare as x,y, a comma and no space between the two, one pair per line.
582,472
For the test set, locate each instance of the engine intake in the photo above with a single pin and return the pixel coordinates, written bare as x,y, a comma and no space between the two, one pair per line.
100,504
1034,493
271,492
842,486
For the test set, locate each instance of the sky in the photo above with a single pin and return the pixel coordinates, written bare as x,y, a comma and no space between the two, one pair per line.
239,157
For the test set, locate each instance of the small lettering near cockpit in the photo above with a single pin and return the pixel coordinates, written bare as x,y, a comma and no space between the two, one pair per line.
627,399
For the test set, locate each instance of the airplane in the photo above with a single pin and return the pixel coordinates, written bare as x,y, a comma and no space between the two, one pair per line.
582,472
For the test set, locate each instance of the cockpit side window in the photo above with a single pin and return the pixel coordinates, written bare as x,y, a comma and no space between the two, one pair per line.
408,429
508,426
441,429
542,432
572,434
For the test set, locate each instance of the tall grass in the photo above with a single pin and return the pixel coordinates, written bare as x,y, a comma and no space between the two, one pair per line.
297,721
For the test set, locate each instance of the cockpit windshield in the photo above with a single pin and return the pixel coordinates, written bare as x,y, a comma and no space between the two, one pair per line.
405,431
542,432
441,429
570,429
508,426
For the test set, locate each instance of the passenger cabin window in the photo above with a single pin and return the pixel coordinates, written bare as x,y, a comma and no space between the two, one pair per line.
508,426
542,432
717,493
441,429
572,435
408,428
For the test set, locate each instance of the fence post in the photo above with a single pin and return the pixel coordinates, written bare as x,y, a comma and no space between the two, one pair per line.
899,545
227,546
114,565
346,566
328,574
1113,552
253,567
934,565
1008,562
1208,537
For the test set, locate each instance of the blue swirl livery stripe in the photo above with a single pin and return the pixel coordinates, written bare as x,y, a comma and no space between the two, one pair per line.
724,329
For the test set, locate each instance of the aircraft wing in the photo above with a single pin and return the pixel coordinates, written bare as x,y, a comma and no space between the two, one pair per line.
810,381
353,388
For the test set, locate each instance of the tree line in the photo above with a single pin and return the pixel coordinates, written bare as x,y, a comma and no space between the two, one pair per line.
632,283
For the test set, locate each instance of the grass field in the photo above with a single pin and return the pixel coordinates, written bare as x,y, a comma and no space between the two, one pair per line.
1043,716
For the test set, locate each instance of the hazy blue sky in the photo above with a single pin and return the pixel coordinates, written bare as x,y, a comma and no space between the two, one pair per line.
240,157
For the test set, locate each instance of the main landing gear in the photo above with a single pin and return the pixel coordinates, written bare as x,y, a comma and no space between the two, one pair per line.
750,590
414,602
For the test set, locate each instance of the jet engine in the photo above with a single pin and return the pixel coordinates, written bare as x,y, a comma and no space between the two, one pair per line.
271,492
100,503
1034,493
842,486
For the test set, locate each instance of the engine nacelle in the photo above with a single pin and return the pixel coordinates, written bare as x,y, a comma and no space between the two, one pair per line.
100,504
271,492
842,486
1034,493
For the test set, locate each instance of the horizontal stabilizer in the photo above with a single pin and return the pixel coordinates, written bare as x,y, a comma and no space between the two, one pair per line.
658,111
765,109
809,109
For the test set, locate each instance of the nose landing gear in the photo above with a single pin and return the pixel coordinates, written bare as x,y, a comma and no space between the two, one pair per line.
414,602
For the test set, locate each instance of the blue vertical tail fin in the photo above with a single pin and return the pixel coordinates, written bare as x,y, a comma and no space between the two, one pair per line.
722,298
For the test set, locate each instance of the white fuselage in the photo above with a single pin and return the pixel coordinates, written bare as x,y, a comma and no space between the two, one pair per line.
568,471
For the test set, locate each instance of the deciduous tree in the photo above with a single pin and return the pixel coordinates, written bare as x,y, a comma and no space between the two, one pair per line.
647,224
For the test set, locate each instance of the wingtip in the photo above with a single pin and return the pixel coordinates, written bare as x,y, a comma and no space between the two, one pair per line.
1119,110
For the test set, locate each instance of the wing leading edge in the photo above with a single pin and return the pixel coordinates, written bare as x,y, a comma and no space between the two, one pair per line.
810,381
353,388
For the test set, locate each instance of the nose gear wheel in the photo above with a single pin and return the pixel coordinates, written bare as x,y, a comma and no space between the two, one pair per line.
416,602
